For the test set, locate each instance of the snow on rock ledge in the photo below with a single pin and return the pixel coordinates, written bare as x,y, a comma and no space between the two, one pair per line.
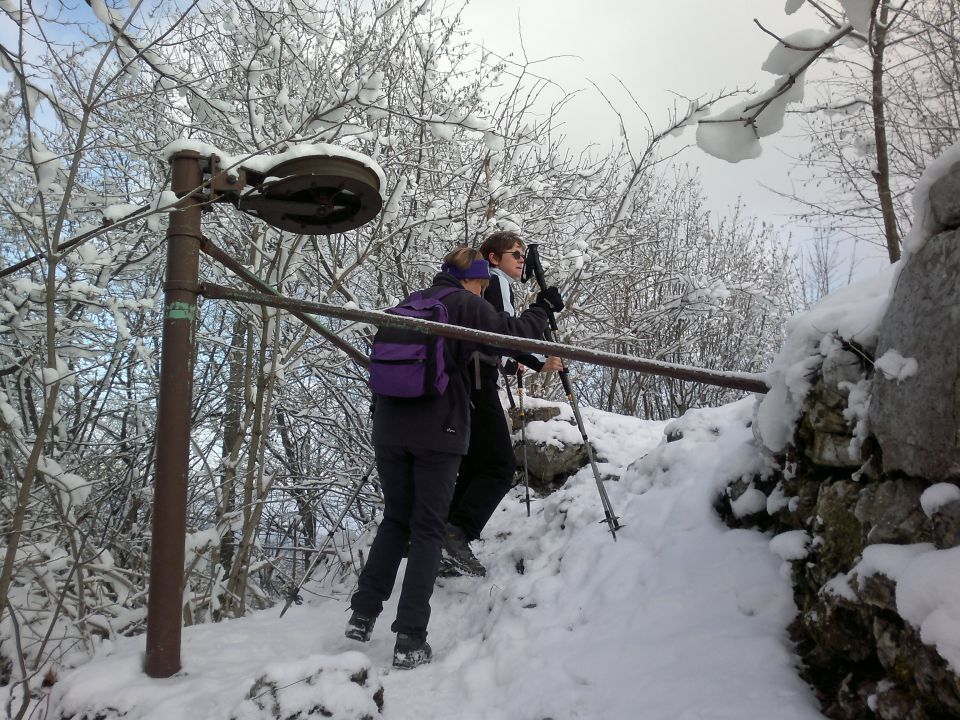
344,686
818,342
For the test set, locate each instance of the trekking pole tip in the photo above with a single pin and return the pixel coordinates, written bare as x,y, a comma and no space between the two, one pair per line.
613,524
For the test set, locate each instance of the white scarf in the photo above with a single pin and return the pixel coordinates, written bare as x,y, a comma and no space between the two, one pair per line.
503,280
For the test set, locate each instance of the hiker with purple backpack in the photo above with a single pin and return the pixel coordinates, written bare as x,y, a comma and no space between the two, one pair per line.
421,431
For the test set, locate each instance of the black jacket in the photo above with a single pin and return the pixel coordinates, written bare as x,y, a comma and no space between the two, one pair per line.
494,295
442,424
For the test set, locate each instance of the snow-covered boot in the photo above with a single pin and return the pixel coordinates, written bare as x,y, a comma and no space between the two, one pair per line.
457,557
359,627
411,651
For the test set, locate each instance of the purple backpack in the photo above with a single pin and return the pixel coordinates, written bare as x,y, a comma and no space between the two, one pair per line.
408,364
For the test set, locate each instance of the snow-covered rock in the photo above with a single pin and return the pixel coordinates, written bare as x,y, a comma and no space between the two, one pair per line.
915,419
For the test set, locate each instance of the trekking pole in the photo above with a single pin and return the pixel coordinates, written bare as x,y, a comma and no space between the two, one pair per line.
294,595
523,439
506,384
532,264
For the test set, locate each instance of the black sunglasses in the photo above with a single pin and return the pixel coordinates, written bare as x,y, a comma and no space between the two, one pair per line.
517,255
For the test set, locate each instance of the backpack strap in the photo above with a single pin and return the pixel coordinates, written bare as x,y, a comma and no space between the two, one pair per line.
438,297
420,301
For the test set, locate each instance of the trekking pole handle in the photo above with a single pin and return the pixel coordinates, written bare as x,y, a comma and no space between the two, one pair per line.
532,264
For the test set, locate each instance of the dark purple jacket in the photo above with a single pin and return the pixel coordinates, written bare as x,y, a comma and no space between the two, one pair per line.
442,424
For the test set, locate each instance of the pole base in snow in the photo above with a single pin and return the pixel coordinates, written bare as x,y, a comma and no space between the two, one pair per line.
613,524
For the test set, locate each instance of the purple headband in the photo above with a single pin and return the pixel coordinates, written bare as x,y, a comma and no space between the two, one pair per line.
477,270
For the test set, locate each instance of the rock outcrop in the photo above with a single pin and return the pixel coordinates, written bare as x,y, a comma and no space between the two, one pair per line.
344,686
879,428
549,462
916,415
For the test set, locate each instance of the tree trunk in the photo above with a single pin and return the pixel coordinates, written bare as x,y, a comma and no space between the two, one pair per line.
882,172
232,432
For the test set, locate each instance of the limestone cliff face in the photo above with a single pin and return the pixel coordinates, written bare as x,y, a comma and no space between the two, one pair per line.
879,425
916,419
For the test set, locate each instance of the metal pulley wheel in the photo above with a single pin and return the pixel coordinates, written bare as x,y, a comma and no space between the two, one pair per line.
316,195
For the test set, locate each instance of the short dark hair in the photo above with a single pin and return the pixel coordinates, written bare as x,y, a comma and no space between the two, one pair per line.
499,242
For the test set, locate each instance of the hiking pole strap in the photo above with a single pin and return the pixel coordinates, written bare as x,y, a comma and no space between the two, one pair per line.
506,384
532,265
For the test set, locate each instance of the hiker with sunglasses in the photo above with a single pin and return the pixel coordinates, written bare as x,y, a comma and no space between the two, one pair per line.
419,439
486,473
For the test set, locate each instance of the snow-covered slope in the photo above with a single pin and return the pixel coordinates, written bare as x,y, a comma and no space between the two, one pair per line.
679,618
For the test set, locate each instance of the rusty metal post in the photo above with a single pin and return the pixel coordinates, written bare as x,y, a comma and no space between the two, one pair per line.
165,604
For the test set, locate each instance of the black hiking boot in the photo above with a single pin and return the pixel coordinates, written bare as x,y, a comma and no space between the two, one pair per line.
457,557
410,651
359,627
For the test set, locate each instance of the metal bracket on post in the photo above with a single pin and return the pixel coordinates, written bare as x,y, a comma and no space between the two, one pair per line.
226,185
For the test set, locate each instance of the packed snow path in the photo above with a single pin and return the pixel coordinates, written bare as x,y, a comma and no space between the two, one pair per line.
680,619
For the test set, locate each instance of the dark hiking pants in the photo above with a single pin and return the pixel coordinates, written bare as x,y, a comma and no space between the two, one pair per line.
486,473
417,487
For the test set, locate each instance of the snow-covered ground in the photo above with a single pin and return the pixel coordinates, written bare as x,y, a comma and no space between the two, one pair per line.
680,618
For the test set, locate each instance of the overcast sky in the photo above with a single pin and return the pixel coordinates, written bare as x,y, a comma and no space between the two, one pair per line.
658,49
687,47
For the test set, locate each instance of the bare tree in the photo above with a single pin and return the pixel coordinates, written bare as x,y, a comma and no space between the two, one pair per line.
885,105
280,423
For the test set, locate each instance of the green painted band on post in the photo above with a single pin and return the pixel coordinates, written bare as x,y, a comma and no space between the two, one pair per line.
179,310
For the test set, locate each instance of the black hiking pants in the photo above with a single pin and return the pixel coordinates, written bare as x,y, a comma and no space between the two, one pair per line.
417,487
486,473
